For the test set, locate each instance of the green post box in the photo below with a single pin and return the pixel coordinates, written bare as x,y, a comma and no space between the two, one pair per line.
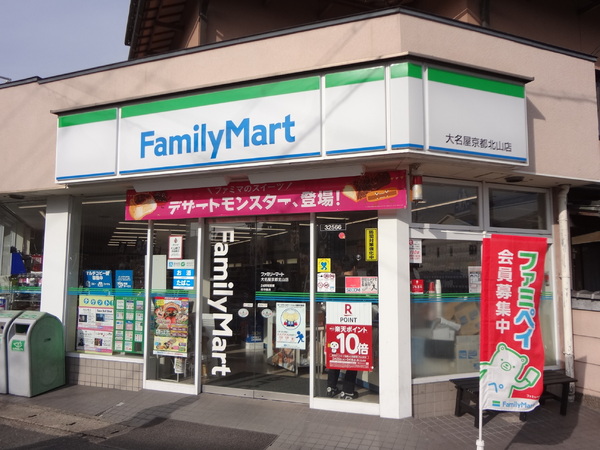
6,318
36,354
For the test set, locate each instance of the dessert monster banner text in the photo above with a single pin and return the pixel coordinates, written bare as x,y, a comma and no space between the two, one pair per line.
377,190
512,352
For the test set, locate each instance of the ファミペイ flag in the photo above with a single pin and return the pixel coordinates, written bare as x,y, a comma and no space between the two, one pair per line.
511,352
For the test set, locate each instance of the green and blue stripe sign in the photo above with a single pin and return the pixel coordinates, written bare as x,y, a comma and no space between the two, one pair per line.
371,109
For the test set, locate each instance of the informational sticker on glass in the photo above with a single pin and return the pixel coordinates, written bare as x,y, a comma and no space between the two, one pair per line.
273,280
175,247
129,325
95,324
97,279
325,282
474,279
170,315
323,264
415,251
124,279
291,326
361,285
183,278
349,335
371,244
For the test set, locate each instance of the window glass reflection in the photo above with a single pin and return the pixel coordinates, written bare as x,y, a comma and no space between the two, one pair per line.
518,209
447,204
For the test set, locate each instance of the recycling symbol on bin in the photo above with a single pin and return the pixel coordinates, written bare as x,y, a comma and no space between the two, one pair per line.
17,346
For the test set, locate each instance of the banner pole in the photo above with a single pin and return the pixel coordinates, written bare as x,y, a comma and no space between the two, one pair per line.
480,442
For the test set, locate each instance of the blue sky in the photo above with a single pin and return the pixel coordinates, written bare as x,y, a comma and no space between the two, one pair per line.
53,37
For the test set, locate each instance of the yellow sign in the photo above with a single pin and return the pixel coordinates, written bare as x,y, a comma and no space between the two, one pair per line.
371,244
323,264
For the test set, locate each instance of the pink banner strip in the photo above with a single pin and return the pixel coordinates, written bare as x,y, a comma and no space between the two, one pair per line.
378,190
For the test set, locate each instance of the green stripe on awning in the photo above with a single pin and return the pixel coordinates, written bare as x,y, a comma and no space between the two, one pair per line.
473,82
406,69
230,95
87,117
354,77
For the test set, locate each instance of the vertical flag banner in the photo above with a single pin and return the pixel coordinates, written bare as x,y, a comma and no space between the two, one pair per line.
512,352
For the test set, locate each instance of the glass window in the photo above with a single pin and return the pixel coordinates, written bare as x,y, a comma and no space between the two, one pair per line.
511,208
445,319
447,204
446,288
108,294
22,241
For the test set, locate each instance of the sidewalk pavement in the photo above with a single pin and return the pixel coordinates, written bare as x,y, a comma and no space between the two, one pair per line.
123,419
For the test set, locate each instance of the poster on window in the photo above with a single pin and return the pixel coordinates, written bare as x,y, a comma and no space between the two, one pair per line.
512,351
349,336
170,316
129,325
290,328
95,324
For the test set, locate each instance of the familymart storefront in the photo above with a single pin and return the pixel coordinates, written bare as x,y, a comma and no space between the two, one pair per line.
278,229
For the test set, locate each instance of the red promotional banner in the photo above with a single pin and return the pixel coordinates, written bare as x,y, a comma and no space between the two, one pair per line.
377,190
512,352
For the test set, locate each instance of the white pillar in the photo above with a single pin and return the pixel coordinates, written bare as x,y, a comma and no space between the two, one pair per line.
61,259
395,384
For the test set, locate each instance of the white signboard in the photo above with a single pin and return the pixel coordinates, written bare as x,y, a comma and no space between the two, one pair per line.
248,130
180,264
175,247
476,118
415,251
87,145
355,111
327,116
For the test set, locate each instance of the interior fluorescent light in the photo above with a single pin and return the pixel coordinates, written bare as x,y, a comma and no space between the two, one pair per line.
101,202
43,205
312,173
168,184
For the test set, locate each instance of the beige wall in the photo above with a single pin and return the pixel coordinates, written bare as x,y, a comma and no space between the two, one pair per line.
561,98
586,342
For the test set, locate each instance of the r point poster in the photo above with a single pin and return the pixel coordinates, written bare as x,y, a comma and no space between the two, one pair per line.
349,335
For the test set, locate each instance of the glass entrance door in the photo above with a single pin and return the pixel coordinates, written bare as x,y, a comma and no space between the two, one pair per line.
255,317
172,302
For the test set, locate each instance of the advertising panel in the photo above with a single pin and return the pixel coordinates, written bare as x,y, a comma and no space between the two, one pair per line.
377,190
171,316
349,335
512,351
95,324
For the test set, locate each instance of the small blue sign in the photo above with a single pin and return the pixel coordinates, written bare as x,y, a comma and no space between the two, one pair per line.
183,278
97,279
124,279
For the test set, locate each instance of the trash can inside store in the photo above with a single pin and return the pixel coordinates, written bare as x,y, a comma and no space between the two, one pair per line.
6,318
36,354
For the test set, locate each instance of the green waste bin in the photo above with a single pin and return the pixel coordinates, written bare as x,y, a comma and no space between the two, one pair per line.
36,354
6,318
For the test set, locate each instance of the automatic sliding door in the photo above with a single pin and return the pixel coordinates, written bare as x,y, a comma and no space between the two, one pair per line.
256,311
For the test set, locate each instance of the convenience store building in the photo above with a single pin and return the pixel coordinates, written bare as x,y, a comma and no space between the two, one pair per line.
197,224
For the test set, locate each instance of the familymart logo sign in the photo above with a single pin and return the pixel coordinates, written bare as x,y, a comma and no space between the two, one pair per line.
265,123
375,110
